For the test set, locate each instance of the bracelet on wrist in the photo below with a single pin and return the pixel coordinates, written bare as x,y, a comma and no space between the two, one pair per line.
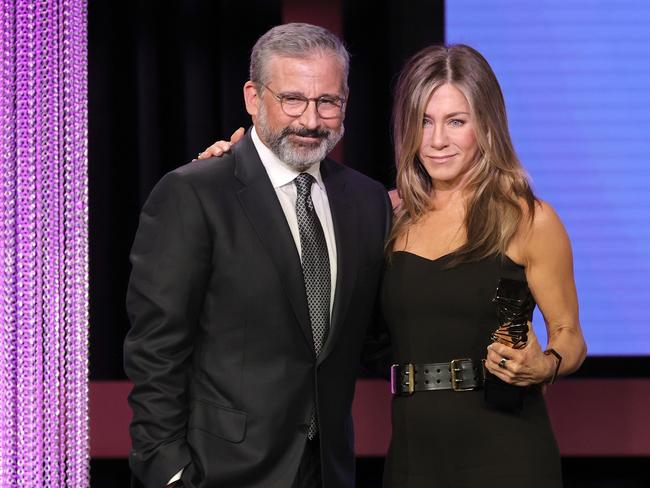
552,352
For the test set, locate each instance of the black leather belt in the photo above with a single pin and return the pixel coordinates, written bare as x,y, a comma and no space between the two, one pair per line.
457,375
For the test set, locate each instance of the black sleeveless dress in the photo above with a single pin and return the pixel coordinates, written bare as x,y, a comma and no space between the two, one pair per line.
453,439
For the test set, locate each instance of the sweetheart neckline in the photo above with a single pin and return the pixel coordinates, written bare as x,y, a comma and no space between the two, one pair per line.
440,258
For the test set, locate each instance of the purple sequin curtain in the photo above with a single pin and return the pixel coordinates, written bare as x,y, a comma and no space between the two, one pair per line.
43,244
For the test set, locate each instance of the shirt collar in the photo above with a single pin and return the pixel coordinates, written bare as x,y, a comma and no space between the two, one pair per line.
280,173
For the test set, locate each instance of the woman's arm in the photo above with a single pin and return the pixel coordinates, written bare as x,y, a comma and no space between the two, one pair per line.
545,249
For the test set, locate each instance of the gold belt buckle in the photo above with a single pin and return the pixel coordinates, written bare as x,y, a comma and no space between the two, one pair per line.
455,381
411,378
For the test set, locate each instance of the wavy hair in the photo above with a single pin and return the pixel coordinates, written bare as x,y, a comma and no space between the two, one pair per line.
497,181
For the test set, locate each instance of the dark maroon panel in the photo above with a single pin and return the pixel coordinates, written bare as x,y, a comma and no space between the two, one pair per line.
591,417
109,419
601,417
326,13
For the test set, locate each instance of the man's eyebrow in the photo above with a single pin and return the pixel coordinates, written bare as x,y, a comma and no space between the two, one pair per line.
299,94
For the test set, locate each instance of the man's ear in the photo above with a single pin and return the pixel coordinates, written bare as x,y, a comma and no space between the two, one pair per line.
251,98
347,100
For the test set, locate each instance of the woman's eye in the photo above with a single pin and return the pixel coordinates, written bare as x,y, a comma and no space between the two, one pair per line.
456,122
426,123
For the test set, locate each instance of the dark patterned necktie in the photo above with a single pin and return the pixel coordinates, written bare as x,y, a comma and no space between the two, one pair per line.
315,268
315,261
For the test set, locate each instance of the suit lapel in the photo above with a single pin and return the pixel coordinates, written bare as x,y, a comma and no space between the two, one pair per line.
260,202
345,229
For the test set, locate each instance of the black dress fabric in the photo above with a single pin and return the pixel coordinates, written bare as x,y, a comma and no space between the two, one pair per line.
453,439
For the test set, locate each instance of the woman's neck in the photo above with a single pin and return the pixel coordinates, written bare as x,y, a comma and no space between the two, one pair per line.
449,198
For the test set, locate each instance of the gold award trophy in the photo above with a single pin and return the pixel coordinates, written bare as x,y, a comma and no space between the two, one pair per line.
514,306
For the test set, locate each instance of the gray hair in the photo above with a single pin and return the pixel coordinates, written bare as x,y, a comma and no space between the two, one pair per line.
295,40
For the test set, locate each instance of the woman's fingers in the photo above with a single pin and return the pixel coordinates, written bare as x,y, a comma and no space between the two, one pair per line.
220,147
502,350
507,364
501,373
216,149
237,135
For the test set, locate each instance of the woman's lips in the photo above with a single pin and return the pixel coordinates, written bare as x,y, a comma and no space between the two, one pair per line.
443,158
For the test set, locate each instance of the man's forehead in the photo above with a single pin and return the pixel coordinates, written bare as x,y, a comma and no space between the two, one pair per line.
318,62
320,55
324,72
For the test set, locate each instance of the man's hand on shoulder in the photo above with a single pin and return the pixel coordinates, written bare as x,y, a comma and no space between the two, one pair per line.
395,200
221,147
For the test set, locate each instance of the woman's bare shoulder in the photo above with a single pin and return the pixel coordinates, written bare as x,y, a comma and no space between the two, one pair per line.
542,213
546,236
545,218
538,225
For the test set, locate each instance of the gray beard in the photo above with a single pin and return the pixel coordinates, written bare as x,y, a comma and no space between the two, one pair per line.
299,157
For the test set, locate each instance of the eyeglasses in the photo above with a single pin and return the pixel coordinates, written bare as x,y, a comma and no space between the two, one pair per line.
294,104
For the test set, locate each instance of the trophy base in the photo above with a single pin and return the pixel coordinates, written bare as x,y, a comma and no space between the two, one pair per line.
503,396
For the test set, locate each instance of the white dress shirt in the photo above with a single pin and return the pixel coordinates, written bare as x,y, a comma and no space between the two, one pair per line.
282,176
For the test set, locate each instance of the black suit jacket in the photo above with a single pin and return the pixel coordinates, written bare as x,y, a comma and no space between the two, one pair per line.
220,350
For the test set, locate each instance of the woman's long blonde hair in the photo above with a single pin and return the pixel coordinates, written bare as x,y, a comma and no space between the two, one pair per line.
497,182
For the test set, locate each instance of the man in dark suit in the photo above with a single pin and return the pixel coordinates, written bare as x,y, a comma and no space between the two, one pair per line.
254,281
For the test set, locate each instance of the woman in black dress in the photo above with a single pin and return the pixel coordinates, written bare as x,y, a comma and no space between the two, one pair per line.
467,218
